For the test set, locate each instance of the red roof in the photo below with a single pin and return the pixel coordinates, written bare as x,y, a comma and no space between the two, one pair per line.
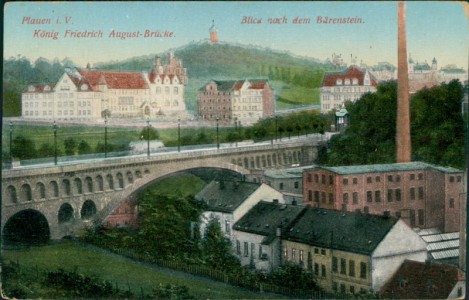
153,75
353,72
39,88
258,85
113,80
420,280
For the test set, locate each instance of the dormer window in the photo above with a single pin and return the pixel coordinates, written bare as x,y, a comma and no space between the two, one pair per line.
339,82
347,81
354,81
47,88
84,87
31,88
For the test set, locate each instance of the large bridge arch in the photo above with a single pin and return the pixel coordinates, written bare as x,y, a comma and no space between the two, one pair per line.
154,174
28,225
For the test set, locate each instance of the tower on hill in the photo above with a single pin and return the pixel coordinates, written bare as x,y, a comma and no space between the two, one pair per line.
213,33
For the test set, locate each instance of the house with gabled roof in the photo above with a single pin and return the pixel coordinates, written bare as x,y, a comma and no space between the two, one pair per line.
242,102
350,253
228,201
348,85
425,280
258,234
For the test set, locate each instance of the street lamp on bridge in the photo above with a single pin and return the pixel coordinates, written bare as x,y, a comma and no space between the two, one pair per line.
105,136
148,137
11,139
218,142
54,127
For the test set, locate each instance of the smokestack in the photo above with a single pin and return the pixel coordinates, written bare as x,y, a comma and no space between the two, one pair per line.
403,144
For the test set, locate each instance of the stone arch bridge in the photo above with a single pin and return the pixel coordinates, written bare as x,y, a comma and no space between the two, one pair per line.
69,197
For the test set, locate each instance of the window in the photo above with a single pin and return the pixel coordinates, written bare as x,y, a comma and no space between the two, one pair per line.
331,198
238,247
342,288
421,193
323,179
285,252
378,179
316,250
343,264
345,198
246,249
316,269
310,261
355,197
334,286
352,289
369,196
390,178
345,181
366,209
293,254
301,256
355,180
412,193
351,268
412,218
310,195
398,178
412,176
451,179
316,178
421,216
363,270
316,196
281,186
458,178
310,178
323,197
368,180
227,227
331,179
420,176
334,264
398,194
323,251
378,196
297,184
451,203
323,270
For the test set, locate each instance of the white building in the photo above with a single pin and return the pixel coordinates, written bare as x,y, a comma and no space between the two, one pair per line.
228,201
91,95
340,87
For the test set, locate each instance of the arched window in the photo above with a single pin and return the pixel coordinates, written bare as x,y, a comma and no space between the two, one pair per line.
130,177
120,180
110,181
78,186
89,184
66,187
41,190
100,182
26,192
54,187
12,193
138,173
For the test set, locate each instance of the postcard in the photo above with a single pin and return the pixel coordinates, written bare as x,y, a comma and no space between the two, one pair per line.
229,149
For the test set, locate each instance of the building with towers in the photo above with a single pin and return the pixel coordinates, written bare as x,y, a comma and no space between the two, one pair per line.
91,95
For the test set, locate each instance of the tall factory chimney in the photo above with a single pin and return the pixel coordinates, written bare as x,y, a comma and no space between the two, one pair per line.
403,143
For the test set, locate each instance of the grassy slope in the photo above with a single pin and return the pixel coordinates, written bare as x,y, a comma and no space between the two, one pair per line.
118,270
183,184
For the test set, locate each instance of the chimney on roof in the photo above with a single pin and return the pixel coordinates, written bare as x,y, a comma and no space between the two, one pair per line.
88,66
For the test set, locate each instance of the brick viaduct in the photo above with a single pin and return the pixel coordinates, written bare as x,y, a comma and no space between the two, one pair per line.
72,196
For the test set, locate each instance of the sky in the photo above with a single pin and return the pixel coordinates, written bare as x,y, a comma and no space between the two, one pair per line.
434,29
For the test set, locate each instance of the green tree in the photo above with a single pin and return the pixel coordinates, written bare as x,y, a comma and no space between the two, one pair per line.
84,148
217,249
70,146
23,148
46,150
154,134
